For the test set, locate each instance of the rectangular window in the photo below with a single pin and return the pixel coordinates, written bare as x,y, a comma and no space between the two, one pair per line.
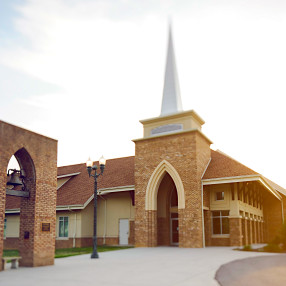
220,222
63,226
219,196
5,227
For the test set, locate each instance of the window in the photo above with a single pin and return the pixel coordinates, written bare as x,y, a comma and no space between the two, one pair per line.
5,227
220,222
219,196
63,226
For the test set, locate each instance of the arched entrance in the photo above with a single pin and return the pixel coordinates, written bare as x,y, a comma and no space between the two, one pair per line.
167,213
165,198
37,158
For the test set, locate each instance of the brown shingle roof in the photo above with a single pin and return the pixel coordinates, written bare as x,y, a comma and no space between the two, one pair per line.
222,166
79,188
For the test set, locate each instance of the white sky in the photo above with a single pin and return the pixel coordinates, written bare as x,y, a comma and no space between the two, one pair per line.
85,72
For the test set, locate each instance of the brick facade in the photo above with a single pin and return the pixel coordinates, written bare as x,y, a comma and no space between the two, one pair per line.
235,228
188,153
37,155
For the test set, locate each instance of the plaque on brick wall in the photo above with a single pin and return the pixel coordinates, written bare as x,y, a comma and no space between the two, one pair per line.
46,226
167,129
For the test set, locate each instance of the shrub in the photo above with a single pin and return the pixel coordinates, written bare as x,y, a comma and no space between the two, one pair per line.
272,248
247,248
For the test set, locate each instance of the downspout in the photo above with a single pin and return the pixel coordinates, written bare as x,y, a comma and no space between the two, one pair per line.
105,226
203,218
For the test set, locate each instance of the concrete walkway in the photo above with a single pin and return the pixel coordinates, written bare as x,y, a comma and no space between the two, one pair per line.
262,271
137,266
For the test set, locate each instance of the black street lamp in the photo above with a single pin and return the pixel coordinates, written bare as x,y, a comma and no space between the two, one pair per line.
90,167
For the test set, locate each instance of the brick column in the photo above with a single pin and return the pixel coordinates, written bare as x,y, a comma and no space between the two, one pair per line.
250,240
258,232
235,231
207,222
245,235
262,232
254,231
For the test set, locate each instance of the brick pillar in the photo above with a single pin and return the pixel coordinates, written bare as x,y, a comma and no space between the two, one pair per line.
244,227
207,222
258,232
235,231
152,228
262,232
254,231
250,240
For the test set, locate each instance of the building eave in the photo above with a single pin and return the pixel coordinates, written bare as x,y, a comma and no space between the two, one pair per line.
247,178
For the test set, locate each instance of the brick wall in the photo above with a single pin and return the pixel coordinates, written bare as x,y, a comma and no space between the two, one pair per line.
188,153
37,155
272,216
11,243
235,229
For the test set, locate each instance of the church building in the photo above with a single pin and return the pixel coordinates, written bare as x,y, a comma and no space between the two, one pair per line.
176,190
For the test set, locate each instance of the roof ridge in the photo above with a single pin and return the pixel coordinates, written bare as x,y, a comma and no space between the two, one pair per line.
78,164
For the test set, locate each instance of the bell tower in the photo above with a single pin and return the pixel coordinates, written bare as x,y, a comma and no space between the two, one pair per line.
170,160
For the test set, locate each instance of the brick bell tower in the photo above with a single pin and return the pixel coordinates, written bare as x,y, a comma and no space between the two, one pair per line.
170,160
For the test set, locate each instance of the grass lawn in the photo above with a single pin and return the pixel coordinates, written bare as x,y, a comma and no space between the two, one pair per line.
65,252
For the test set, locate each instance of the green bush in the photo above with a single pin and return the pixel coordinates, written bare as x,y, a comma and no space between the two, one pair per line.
272,248
247,248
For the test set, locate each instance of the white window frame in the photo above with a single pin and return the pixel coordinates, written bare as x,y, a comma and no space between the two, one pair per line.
61,219
220,221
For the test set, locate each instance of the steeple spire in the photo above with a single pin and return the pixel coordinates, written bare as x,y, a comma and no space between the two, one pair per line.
171,102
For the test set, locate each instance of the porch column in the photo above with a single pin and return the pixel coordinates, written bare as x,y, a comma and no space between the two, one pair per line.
245,233
235,233
250,240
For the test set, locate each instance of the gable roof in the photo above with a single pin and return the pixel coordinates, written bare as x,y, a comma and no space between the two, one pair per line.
223,166
79,188
119,173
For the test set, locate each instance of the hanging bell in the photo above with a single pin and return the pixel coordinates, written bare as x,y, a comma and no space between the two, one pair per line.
14,179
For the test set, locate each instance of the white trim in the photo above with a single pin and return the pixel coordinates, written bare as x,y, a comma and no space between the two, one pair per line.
12,211
68,175
116,189
225,180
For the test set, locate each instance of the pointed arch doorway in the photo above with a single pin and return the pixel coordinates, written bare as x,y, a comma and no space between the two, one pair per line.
167,213
165,199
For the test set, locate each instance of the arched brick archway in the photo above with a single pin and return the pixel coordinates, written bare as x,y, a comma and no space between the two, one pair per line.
37,156
154,182
163,170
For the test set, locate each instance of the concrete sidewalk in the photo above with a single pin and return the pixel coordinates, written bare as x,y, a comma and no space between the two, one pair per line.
262,271
137,266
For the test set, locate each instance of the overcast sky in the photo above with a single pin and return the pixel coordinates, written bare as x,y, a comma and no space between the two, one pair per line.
85,72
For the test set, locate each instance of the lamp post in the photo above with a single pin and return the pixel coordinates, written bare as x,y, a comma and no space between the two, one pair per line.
90,167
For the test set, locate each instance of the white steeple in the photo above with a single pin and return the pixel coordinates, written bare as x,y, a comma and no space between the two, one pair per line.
171,102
